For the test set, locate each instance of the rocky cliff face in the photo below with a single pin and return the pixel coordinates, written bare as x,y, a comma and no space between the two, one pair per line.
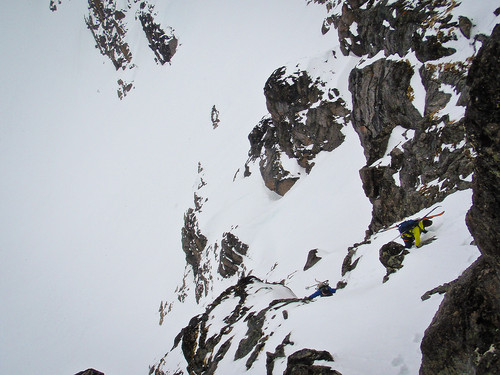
464,335
433,161
304,119
423,169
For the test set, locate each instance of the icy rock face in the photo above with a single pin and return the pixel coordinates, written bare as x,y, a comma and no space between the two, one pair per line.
304,119
207,339
464,336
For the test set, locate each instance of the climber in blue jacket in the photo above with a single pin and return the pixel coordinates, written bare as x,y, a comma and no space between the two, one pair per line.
324,290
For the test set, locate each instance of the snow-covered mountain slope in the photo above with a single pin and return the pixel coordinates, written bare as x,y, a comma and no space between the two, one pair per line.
380,329
95,187
368,327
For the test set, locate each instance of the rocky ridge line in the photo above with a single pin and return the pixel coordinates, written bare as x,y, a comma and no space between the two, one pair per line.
203,346
108,24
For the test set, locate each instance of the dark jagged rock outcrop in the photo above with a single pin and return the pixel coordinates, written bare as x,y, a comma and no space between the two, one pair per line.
279,352
441,289
301,124
483,128
380,103
105,22
464,336
433,159
53,4
391,255
162,43
108,24
302,363
231,254
193,241
124,88
193,245
203,347
312,259
214,117
366,27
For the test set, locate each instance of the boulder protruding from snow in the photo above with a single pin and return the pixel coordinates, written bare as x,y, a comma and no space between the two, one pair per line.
391,256
304,119
302,363
312,259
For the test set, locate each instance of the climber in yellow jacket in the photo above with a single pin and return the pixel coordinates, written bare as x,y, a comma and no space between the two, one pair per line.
410,231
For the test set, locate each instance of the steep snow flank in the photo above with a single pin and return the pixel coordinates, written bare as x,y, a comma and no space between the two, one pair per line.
370,327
